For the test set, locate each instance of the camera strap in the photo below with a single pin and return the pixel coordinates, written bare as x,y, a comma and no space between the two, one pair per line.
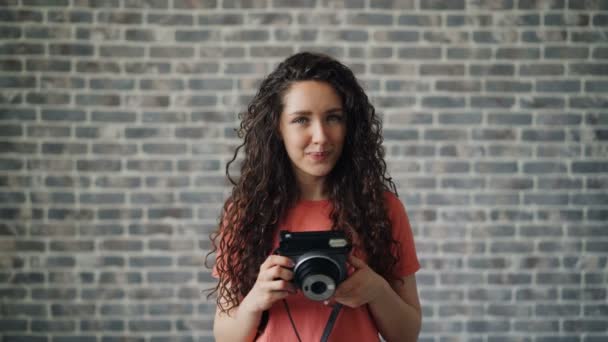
330,322
328,327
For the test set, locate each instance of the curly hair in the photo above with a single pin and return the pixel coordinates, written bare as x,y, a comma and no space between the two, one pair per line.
267,188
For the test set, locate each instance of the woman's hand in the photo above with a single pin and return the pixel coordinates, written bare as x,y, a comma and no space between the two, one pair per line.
272,284
362,287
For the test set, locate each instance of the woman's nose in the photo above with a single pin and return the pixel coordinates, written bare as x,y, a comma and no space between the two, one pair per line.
319,134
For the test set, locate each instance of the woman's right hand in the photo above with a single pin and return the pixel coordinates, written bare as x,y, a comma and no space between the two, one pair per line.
273,283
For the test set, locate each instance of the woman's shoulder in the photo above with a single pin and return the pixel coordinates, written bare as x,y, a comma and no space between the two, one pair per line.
392,201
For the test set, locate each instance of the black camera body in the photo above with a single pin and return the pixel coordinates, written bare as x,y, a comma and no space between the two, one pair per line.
319,258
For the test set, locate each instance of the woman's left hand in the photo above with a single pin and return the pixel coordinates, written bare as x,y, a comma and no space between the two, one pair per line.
362,287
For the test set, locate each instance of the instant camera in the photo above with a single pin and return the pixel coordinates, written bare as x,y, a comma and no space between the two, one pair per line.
319,258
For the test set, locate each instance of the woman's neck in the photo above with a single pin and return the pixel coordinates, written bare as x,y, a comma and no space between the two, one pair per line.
312,191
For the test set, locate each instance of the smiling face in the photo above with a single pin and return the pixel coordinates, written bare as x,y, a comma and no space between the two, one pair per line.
313,128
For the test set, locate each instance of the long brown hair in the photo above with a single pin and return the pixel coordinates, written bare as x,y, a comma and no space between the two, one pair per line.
267,186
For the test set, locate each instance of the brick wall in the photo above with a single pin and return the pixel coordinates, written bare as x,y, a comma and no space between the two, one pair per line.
117,118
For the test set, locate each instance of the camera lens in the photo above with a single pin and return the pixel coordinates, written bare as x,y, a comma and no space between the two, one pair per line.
317,275
318,287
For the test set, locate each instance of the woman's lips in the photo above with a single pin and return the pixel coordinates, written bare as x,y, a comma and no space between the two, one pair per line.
318,156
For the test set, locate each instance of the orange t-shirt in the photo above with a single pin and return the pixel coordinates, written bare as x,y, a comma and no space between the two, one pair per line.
310,317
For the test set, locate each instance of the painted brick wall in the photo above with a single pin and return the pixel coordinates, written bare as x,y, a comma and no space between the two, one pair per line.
117,118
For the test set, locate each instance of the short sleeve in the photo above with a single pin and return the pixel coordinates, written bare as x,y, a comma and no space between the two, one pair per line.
408,262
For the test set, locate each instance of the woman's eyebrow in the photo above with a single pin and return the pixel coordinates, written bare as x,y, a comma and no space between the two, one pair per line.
307,112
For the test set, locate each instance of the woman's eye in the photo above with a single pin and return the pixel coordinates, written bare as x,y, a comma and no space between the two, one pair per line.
335,118
300,120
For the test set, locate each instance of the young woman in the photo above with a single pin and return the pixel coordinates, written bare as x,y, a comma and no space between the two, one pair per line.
313,161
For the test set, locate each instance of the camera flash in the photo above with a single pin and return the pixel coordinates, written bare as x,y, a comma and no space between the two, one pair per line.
337,242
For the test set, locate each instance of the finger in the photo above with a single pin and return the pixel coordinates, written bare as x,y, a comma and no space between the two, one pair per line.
273,260
347,302
356,262
280,286
277,272
272,296
345,288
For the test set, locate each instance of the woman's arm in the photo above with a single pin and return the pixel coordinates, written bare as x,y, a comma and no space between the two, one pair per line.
395,309
273,283
237,325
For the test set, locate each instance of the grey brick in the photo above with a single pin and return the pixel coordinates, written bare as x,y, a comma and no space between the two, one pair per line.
72,246
518,53
119,18
596,86
572,247
150,165
98,165
102,293
77,338
536,294
39,326
416,20
171,309
443,102
587,37
559,183
201,165
544,167
150,261
446,37
546,199
20,15
24,338
493,134
12,325
120,278
169,277
370,19
164,245
589,199
565,52
168,182
22,49
595,69
588,102
469,53
17,82
157,4
600,20
539,262
508,86
578,294
180,213
536,231
557,309
597,215
536,326
396,36
543,135
149,325
597,310
443,5
122,245
496,167
586,326
486,326
393,4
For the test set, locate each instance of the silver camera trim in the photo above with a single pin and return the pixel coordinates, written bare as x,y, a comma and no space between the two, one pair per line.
331,285
329,291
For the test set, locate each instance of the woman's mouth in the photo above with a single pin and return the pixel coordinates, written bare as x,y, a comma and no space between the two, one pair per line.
318,156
